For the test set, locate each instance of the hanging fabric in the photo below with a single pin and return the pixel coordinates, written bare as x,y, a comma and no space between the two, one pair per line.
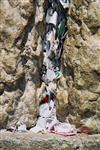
52,48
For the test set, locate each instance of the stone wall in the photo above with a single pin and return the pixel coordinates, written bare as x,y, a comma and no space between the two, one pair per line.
31,141
81,63
78,91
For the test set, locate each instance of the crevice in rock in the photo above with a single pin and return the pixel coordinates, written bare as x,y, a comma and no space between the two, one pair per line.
1,92
17,79
17,84
94,30
96,74
23,36
68,71
21,83
87,114
40,28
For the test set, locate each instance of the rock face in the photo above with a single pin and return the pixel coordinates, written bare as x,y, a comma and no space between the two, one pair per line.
81,62
20,61
27,141
78,91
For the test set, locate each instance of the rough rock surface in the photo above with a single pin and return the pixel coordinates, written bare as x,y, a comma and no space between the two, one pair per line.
29,141
20,61
81,63
78,93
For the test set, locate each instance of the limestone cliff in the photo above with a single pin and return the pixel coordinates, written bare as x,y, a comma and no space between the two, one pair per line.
78,92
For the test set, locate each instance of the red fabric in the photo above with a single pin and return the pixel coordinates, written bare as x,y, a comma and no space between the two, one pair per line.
85,130
46,99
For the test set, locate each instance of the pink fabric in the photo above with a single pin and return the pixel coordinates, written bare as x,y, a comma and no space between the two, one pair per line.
64,133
